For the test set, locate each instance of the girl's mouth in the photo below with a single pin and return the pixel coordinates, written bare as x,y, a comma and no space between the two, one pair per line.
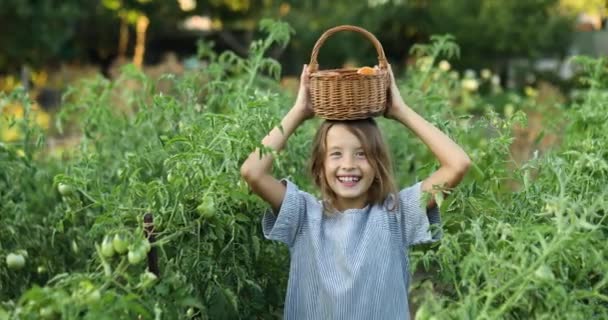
349,181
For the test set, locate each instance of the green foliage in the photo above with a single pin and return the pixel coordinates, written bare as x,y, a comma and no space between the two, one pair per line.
522,241
165,153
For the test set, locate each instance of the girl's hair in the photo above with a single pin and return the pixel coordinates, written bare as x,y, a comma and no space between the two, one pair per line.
366,130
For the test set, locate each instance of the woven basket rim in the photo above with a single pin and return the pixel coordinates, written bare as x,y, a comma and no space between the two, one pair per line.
346,71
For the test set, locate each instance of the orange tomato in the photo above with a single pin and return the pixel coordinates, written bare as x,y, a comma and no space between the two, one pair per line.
368,71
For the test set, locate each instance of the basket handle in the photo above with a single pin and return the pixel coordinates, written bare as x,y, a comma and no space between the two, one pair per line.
313,66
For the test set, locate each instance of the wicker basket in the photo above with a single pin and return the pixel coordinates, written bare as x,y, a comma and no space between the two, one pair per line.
344,94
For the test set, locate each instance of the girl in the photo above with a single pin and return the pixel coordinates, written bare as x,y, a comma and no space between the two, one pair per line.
349,251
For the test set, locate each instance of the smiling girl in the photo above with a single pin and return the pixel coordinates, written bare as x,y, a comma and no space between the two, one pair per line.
349,251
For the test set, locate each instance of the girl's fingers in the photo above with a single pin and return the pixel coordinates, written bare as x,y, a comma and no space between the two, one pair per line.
304,75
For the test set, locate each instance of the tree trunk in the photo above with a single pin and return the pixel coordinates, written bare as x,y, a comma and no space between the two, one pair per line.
140,40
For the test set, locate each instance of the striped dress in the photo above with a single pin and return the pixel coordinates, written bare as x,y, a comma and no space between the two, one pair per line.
352,265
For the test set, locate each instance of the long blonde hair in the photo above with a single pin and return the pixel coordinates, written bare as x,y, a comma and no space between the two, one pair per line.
366,130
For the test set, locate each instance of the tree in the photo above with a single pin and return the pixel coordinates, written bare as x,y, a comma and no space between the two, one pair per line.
488,31
36,32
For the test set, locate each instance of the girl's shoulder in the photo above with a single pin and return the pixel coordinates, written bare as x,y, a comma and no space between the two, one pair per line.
404,197
308,199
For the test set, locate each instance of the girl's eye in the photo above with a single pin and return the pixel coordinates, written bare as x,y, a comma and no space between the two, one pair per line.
334,154
360,154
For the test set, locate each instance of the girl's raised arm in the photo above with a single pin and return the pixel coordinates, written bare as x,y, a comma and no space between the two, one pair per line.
453,160
256,170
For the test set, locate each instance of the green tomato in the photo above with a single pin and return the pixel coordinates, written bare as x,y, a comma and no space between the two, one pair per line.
93,296
147,279
107,250
170,177
190,312
15,261
136,255
120,244
207,208
65,189
145,244
47,313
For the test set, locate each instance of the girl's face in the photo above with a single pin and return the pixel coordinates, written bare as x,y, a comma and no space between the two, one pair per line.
347,171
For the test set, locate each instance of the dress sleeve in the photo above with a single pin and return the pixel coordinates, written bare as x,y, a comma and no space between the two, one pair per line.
285,225
418,225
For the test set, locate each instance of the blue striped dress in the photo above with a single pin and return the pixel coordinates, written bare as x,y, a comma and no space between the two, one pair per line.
351,265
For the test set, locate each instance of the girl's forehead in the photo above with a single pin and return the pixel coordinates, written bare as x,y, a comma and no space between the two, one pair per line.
339,136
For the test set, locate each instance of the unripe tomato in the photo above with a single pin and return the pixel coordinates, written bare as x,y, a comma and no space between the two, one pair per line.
145,244
190,312
120,244
93,296
207,208
65,189
107,250
147,278
170,177
47,313
15,261
136,255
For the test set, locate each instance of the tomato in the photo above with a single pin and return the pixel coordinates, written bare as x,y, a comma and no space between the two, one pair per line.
170,177
190,312
120,244
93,296
207,208
65,189
87,293
47,313
145,244
136,255
138,251
106,247
15,261
147,279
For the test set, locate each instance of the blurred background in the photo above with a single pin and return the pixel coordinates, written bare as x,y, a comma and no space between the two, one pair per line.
518,45
51,43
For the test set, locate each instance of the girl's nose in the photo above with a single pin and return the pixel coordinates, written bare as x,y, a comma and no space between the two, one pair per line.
348,163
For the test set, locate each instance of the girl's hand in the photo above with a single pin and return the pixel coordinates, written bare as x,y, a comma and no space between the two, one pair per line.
303,104
394,101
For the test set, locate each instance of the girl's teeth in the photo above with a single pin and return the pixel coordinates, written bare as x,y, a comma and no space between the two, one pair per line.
348,179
